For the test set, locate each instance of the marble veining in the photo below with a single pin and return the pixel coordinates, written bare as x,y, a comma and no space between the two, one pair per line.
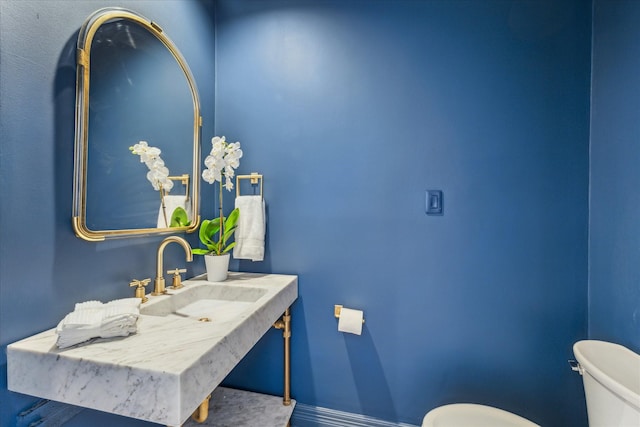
164,371
236,408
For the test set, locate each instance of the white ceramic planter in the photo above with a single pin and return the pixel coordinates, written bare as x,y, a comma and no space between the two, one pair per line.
217,267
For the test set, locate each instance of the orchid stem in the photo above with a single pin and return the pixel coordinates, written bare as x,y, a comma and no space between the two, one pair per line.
164,209
221,222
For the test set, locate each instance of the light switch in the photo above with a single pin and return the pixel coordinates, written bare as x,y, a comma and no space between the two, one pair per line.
434,202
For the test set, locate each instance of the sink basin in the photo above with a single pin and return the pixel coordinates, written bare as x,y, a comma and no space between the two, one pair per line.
611,375
165,370
212,302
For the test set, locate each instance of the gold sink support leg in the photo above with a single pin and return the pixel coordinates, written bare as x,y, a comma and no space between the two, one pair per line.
202,412
285,325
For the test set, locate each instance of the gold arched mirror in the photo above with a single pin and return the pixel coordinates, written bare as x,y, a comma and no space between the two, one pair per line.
136,106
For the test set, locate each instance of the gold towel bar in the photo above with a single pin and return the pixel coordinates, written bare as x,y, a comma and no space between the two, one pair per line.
184,179
253,177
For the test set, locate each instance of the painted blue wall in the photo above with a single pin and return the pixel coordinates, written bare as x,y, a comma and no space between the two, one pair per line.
44,268
614,243
352,109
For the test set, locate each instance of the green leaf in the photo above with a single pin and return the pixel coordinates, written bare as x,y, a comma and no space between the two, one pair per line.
203,232
228,234
200,251
230,225
208,229
179,218
232,219
228,248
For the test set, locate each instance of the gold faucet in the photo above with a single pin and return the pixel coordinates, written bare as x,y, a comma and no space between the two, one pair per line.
158,284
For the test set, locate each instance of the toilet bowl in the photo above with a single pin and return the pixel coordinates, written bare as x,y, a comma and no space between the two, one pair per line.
470,414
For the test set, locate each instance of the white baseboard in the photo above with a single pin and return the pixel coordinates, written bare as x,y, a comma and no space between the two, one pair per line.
315,416
54,414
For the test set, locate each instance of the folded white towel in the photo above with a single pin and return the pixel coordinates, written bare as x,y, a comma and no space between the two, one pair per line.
249,235
87,304
94,319
170,204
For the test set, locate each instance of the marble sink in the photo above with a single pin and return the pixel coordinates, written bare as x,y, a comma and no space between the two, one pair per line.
187,343
210,302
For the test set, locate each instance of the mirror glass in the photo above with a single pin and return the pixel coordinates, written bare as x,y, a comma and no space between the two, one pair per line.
133,85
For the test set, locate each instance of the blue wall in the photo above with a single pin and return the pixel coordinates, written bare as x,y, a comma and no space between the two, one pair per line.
351,109
44,268
614,243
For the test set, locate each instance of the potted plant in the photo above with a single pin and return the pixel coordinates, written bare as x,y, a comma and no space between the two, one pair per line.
215,234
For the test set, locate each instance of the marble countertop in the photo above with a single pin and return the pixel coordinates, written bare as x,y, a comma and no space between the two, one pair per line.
164,371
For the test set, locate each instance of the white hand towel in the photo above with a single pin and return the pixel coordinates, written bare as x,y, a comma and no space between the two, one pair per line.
170,204
94,319
249,235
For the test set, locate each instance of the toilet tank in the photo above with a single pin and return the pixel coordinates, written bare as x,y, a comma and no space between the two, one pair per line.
611,377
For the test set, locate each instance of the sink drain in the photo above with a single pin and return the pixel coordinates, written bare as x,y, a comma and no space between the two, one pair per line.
204,319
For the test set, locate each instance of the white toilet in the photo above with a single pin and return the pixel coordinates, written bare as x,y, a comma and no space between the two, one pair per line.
611,377
471,414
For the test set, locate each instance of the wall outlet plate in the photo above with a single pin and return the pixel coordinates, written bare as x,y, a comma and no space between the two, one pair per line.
434,203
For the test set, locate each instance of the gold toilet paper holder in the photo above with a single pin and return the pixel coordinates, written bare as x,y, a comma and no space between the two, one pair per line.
337,309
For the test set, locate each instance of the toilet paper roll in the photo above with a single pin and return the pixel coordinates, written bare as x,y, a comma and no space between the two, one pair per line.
350,321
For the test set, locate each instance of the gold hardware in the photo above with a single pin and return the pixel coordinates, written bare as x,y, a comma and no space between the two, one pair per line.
140,284
202,412
253,178
83,232
81,58
158,284
81,139
184,179
177,280
156,26
204,319
285,324
337,309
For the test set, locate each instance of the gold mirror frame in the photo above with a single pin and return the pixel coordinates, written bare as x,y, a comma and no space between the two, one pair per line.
83,61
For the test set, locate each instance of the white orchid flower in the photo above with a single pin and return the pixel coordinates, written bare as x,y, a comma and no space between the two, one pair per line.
211,175
211,162
139,148
219,144
158,174
167,184
222,160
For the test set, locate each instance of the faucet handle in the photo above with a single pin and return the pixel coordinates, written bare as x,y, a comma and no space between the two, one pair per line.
177,280
140,284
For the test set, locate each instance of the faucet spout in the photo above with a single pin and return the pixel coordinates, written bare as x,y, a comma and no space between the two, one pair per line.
158,284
